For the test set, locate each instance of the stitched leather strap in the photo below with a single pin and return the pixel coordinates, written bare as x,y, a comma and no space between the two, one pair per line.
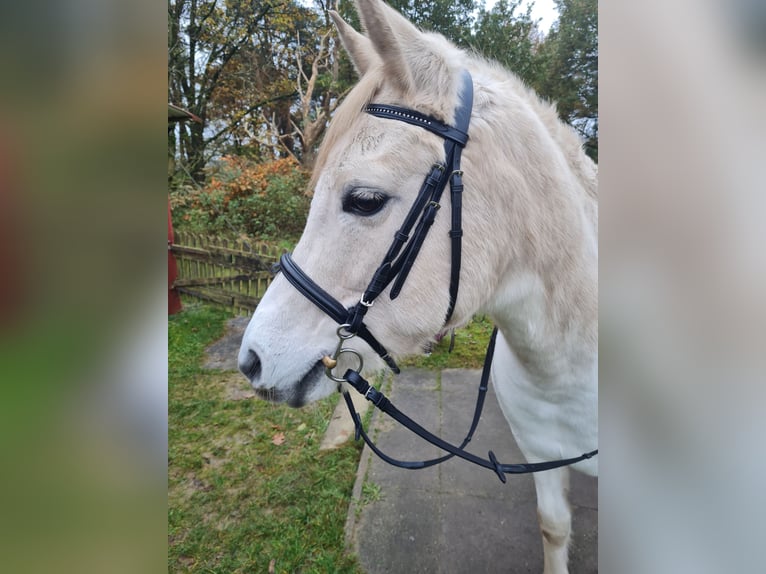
391,267
456,197
413,249
330,306
456,237
309,289
455,139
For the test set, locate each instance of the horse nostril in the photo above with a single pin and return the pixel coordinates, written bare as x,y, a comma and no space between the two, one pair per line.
251,365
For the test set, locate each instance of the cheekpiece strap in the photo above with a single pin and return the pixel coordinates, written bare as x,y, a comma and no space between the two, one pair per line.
455,138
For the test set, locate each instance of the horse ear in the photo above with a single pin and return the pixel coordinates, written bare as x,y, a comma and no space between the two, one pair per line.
358,47
409,58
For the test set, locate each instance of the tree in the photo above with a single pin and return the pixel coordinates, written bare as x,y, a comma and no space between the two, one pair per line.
255,84
452,18
259,73
266,75
204,36
509,37
283,87
316,104
569,62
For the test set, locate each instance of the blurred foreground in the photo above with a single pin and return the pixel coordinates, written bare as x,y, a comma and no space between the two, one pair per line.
683,273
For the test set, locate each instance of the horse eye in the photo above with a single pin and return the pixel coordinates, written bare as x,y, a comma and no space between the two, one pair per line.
363,202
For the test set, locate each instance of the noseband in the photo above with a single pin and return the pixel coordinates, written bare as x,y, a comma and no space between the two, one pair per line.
395,269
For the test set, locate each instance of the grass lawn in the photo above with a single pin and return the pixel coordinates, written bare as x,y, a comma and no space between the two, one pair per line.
468,353
248,489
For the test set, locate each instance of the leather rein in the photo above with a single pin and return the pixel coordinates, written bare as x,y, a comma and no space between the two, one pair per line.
395,268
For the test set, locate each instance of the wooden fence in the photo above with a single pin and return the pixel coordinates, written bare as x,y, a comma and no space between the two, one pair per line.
232,273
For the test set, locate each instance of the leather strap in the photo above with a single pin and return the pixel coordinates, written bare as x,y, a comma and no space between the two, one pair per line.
309,289
455,139
391,266
384,404
331,306
456,198
458,135
404,249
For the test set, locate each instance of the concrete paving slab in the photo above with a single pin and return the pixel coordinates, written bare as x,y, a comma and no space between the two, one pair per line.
476,524
455,518
418,388
413,546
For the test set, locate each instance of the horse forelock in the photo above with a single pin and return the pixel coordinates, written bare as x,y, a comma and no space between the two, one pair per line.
343,119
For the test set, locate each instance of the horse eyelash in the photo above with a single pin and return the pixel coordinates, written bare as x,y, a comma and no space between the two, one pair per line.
363,194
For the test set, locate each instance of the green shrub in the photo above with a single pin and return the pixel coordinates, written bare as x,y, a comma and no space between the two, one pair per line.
262,200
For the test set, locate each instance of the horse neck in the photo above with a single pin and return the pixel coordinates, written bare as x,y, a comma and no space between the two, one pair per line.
552,329
548,312
545,302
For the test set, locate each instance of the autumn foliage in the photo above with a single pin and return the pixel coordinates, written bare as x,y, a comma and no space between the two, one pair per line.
263,200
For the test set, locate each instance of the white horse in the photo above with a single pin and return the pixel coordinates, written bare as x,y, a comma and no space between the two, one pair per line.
530,254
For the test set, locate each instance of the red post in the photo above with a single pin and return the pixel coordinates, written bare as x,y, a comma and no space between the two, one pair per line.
12,268
174,298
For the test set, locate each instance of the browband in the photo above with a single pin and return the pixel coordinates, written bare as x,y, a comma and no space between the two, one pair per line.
421,120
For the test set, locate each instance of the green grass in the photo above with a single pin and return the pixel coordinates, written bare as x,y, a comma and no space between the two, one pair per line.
237,499
371,492
468,353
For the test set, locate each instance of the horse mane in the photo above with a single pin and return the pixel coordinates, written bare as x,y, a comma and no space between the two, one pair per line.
569,141
562,134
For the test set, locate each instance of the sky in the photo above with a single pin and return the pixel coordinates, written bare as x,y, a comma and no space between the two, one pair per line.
546,10
543,9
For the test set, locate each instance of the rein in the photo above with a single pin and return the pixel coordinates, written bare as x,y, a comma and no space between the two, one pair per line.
377,398
395,269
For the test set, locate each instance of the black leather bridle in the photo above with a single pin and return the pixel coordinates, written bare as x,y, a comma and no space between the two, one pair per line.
395,268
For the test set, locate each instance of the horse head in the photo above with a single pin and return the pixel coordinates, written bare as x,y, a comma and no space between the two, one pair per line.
368,173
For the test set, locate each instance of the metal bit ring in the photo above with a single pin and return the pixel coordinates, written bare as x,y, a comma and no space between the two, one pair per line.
328,370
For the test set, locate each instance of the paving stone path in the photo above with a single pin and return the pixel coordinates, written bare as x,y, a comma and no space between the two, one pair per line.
455,518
